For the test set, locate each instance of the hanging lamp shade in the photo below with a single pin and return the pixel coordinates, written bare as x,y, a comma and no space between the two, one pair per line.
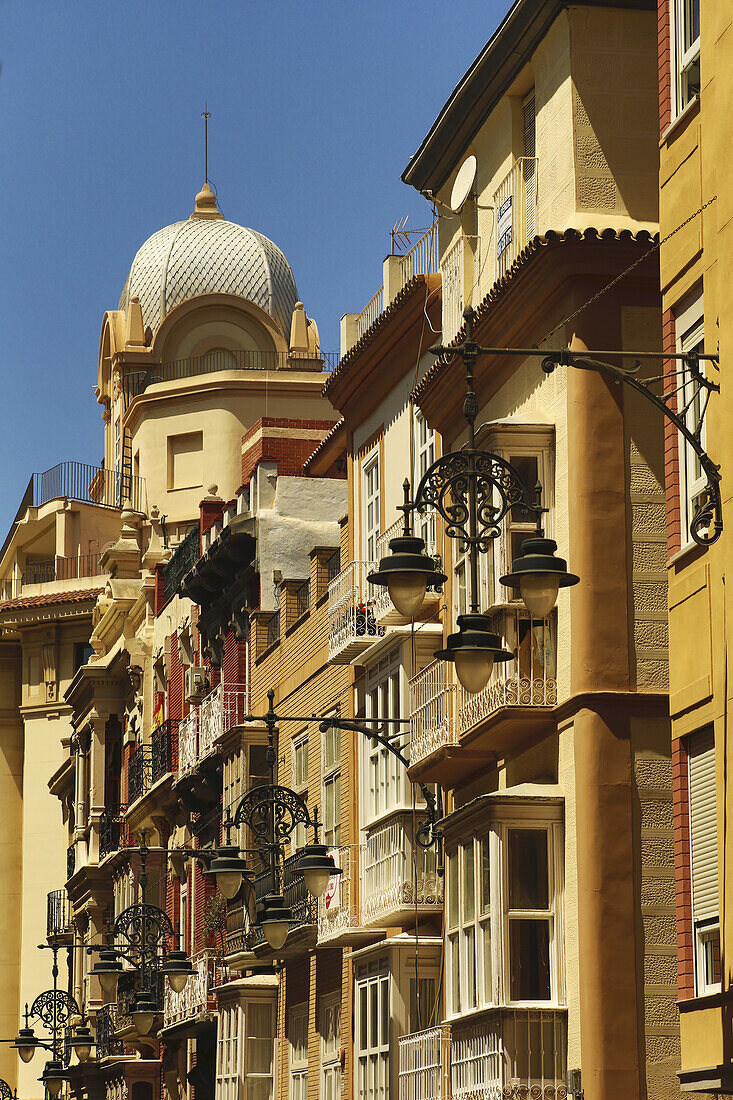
406,572
474,649
539,574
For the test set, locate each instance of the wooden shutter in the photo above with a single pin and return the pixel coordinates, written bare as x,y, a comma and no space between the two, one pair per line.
703,826
530,175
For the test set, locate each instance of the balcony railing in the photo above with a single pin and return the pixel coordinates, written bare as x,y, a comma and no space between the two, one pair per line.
528,681
273,629
432,711
339,916
422,259
223,708
511,1053
61,569
185,556
58,914
396,873
425,1064
140,772
70,860
515,204
88,484
352,613
164,749
113,830
453,277
196,997
370,312
295,895
302,598
105,1027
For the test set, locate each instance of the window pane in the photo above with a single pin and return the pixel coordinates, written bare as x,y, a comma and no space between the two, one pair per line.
485,874
469,947
488,986
527,468
384,1038
469,890
453,890
528,884
455,973
363,1017
529,959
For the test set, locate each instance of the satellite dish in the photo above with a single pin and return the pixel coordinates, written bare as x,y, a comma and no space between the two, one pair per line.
463,183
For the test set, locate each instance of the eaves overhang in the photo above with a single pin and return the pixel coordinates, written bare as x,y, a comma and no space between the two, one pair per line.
477,93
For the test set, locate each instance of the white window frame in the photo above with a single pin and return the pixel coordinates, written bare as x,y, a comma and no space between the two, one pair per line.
371,510
424,449
383,780
183,913
684,56
372,1058
492,924
705,934
229,1052
297,1056
690,334
330,1031
331,787
250,1076
299,782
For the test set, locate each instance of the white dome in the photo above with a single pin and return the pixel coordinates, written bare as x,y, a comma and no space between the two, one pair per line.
205,255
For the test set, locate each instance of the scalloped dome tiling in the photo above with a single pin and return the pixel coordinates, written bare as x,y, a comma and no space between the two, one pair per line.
204,255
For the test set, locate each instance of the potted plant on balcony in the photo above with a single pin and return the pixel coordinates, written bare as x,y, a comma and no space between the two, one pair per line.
365,622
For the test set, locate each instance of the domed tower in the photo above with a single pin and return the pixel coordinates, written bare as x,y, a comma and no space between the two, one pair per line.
209,336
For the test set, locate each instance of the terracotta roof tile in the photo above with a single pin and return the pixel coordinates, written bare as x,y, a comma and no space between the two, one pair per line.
338,426
49,598
500,287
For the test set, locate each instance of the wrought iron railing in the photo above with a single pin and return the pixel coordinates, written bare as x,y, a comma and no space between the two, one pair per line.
140,772
223,708
425,1064
515,204
185,556
88,484
302,598
105,1027
333,565
397,873
338,912
295,895
70,860
370,312
453,275
61,569
352,618
432,711
188,741
164,749
196,997
136,382
112,830
512,1053
273,629
58,914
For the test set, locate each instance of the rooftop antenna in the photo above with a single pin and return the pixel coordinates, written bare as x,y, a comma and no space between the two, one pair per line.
206,116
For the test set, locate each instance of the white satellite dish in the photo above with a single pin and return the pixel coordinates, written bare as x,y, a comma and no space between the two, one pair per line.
463,183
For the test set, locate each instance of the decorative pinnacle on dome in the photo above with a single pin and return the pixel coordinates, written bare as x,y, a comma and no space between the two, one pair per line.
206,206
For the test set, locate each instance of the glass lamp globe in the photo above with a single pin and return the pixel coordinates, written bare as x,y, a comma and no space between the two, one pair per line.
177,981
108,982
53,1085
26,1053
228,883
276,933
473,669
407,592
539,592
143,1017
83,1052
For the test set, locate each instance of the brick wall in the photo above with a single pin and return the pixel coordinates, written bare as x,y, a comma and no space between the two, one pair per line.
665,67
683,884
289,451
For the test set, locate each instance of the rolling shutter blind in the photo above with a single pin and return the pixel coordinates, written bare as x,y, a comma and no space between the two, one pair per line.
530,180
703,826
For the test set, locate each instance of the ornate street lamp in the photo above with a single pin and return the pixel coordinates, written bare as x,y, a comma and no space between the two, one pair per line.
141,935
54,1009
472,491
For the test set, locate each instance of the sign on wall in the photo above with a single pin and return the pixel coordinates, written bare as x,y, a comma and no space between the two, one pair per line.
504,226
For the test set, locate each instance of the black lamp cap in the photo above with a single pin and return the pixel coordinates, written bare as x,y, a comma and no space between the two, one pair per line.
53,1071
143,1003
474,632
274,909
407,555
226,860
176,962
26,1037
108,963
316,858
538,556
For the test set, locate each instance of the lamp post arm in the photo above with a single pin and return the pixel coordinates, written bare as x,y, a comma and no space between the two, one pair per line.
433,805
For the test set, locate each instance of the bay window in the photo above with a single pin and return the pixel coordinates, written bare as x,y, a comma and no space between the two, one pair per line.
502,941
704,861
228,1052
383,778
689,324
331,1047
259,1050
331,787
371,505
299,779
424,457
373,1018
686,51
298,1043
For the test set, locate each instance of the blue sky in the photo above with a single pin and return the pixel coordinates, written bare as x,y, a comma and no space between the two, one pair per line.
316,109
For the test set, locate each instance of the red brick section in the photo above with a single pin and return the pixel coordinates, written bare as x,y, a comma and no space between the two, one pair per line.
159,588
177,708
290,454
665,67
682,878
234,665
211,513
671,443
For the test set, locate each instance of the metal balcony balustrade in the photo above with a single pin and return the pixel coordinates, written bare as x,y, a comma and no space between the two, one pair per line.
61,569
113,830
333,565
453,279
432,711
304,907
220,711
183,559
70,860
273,629
515,203
422,259
425,1064
396,873
512,1053
105,1026
196,997
530,680
164,749
302,598
385,610
352,613
58,914
136,382
139,772
87,484
339,917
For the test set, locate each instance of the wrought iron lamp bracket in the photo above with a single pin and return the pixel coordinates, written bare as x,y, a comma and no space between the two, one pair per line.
272,813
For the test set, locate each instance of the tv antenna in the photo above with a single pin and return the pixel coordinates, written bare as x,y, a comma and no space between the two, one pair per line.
402,237
206,116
